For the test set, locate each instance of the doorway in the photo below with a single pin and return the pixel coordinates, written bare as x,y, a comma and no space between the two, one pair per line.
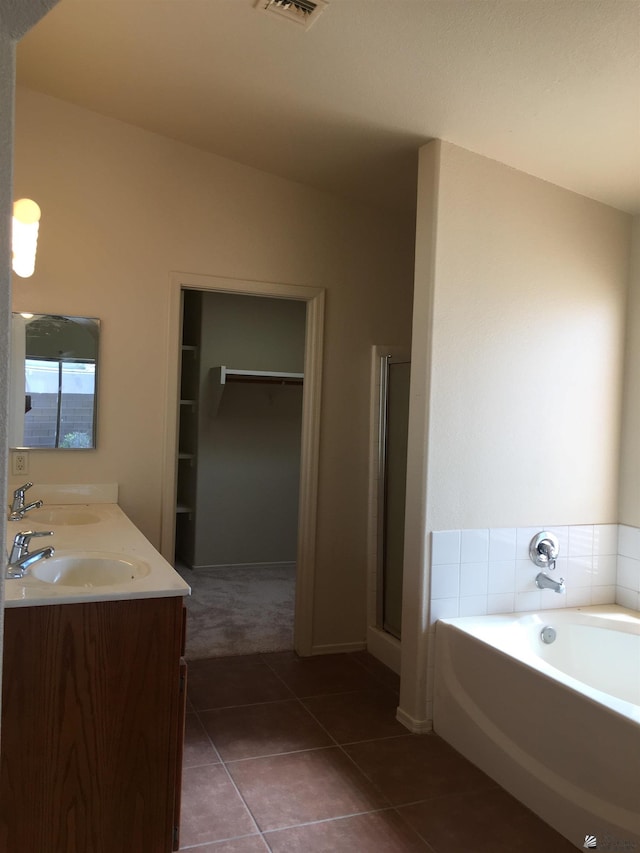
313,298
241,386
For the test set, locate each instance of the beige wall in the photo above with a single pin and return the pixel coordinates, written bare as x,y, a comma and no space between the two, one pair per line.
629,510
121,208
528,283
527,350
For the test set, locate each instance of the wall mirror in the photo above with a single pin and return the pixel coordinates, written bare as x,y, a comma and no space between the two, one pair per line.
53,376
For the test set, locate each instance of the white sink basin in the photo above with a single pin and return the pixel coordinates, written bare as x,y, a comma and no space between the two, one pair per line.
61,515
89,568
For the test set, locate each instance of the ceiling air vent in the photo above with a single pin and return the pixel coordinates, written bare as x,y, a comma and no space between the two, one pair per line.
303,12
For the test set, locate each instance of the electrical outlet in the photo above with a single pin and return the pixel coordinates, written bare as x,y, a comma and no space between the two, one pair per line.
19,462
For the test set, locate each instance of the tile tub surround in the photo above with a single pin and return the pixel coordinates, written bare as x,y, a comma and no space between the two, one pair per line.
475,572
486,571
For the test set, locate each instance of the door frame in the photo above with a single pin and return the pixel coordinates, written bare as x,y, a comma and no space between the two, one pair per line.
310,435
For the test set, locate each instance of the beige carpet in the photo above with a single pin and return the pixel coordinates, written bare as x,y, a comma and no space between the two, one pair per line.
239,611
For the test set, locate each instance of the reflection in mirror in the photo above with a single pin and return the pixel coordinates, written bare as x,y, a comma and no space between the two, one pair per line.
54,366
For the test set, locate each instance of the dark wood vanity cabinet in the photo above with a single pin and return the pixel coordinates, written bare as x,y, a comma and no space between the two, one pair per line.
93,700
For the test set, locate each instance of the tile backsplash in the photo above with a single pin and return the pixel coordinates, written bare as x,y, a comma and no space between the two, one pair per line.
475,572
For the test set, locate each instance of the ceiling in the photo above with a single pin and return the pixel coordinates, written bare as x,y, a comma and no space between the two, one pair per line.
551,87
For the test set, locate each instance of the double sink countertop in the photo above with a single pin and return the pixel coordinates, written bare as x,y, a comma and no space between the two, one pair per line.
96,531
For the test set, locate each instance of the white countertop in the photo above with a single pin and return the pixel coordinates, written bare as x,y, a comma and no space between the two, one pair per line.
109,530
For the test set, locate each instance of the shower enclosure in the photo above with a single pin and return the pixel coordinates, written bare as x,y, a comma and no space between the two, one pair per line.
392,475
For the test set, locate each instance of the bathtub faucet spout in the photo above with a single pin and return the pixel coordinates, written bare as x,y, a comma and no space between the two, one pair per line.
543,581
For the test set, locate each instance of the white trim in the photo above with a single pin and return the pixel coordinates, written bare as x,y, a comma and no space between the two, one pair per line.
417,558
309,455
310,443
338,648
418,727
385,648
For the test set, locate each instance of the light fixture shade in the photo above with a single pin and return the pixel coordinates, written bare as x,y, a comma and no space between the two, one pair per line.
26,222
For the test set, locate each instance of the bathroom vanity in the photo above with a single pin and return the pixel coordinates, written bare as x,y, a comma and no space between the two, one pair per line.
94,691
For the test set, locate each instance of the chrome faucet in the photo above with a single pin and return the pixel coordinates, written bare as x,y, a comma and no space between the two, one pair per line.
18,508
21,558
543,581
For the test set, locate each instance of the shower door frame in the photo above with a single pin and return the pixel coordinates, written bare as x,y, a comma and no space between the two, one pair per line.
386,361
381,644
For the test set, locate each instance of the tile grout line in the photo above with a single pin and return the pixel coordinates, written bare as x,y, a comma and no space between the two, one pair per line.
391,807
242,705
278,754
203,844
358,664
324,820
222,764
231,779
334,743
350,759
291,698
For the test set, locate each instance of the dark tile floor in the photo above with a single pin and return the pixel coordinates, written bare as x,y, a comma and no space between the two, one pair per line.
294,755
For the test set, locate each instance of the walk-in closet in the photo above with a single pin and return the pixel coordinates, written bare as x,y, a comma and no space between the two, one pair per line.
242,375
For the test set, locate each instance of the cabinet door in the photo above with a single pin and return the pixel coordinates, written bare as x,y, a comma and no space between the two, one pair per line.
90,722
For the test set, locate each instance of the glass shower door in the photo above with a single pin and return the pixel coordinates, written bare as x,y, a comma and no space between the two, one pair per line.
394,420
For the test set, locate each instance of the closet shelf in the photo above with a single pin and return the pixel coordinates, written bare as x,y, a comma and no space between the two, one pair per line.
221,375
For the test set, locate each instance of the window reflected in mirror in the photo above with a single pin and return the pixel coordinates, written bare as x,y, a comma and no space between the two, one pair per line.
54,366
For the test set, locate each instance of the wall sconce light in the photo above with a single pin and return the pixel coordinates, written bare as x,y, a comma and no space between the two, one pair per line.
26,222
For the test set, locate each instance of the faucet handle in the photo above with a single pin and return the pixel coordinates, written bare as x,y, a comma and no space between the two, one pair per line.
25,536
19,492
32,533
21,541
18,509
17,505
544,549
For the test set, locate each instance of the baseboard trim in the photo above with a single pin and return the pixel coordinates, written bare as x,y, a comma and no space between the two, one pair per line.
417,727
385,648
338,648
290,564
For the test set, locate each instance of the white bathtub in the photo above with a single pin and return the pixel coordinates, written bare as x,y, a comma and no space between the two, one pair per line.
557,725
